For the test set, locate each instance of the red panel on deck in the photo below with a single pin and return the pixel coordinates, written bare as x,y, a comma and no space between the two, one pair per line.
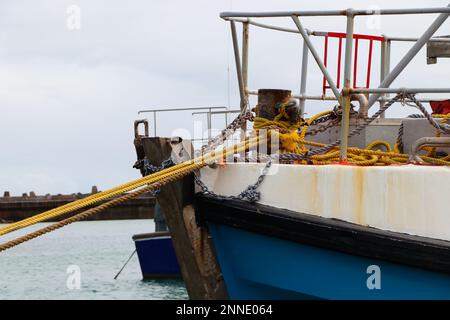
356,38
440,107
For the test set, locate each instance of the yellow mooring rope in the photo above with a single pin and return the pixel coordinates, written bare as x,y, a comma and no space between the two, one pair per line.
85,214
153,181
291,137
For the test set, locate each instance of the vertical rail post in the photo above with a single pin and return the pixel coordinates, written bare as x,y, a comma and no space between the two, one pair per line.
388,66
384,70
245,40
303,78
325,63
209,124
338,84
345,99
237,60
369,64
355,67
388,57
410,55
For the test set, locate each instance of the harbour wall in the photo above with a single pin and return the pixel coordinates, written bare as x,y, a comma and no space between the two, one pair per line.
15,208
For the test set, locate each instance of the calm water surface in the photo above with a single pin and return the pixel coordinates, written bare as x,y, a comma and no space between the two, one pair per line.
39,268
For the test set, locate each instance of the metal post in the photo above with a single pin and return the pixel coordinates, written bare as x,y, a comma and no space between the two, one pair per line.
208,120
245,36
383,72
303,78
410,55
316,57
345,100
237,61
387,69
388,57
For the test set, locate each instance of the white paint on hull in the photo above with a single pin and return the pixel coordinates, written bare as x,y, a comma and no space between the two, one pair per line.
407,199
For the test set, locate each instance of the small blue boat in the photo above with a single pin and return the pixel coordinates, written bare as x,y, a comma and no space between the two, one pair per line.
156,255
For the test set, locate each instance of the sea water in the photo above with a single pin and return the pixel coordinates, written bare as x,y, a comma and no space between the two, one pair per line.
80,261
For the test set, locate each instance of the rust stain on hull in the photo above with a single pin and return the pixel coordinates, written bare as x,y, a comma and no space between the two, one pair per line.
337,206
358,197
316,197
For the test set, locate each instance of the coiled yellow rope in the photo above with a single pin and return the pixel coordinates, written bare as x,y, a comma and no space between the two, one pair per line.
292,139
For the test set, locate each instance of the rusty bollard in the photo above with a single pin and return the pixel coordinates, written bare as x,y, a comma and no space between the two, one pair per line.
268,100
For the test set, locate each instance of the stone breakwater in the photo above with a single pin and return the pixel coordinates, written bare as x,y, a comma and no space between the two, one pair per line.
14,208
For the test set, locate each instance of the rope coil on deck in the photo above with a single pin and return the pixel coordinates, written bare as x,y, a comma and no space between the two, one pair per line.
293,143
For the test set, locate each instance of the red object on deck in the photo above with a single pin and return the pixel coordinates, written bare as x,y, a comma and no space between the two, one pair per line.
356,38
440,107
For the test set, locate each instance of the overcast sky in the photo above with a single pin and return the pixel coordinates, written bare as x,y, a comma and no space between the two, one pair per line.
69,95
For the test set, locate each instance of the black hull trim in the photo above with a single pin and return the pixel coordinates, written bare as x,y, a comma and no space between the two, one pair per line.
326,233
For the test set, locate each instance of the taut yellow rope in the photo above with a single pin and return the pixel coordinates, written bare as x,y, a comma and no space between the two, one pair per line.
177,169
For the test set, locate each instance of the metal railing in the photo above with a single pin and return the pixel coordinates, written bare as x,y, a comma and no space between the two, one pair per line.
224,113
343,96
209,114
197,142
208,118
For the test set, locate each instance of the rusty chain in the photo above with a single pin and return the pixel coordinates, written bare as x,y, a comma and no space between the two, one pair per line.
228,131
251,193
330,121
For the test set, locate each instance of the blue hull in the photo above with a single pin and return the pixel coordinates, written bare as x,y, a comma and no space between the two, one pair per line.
156,256
257,266
271,253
